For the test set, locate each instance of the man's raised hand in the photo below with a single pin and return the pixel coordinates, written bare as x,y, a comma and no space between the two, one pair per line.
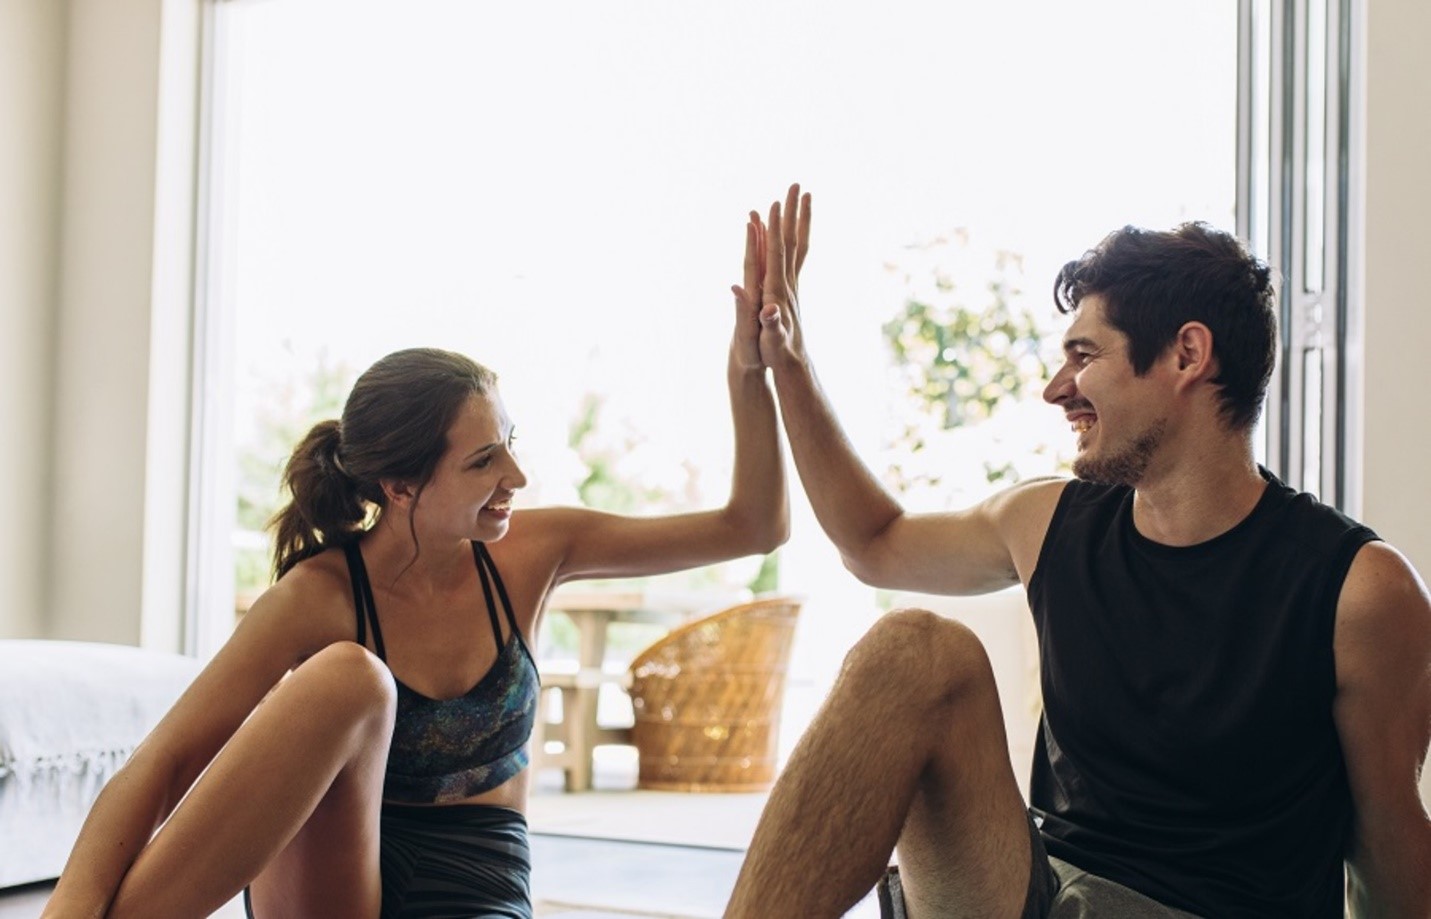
786,244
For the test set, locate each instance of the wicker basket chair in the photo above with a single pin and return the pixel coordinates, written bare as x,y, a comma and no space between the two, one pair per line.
707,699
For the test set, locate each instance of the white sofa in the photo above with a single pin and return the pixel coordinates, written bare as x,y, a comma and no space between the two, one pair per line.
70,715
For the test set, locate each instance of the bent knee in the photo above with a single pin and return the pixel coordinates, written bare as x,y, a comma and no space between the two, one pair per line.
352,675
916,647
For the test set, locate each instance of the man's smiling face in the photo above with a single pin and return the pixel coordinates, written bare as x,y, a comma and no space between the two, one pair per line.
1119,417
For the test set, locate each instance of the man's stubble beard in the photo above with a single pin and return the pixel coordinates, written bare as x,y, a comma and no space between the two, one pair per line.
1126,466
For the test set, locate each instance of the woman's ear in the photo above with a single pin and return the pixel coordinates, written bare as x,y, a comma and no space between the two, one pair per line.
398,492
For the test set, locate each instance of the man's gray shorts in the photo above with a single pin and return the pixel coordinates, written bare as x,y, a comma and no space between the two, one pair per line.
1057,890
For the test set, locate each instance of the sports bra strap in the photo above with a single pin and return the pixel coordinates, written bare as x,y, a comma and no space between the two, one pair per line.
364,606
486,558
477,556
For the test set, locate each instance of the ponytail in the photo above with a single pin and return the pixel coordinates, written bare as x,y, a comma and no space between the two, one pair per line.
327,507
394,427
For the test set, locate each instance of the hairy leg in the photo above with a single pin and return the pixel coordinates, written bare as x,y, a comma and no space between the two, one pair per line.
909,748
292,803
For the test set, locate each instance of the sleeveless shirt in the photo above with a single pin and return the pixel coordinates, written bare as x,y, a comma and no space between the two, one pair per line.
1187,748
444,750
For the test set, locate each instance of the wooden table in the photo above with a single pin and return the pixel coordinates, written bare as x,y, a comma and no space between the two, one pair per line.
592,610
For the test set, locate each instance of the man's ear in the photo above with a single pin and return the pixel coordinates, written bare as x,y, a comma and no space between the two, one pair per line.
1192,350
398,492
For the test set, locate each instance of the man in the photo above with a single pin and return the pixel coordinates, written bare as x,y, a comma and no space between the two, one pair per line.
1236,678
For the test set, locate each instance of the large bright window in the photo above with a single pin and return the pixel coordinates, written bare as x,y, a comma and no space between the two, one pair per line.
558,189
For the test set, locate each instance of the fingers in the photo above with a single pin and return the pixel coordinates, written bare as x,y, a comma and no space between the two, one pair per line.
753,282
744,301
745,342
802,234
751,279
775,285
788,238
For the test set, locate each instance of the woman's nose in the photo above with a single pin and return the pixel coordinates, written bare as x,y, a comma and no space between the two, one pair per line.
515,477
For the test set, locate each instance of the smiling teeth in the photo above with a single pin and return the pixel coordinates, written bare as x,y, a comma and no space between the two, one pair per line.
1082,424
500,506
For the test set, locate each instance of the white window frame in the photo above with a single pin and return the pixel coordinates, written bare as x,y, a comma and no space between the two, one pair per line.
1296,164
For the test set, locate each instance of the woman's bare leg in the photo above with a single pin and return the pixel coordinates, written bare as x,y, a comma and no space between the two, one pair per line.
291,803
908,748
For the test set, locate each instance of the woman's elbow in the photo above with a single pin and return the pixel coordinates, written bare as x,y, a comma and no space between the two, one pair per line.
766,539
777,532
761,534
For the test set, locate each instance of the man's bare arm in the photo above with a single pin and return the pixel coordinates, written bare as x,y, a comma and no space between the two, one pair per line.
984,548
1383,717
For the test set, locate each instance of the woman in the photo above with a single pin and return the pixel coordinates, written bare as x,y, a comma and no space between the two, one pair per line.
358,747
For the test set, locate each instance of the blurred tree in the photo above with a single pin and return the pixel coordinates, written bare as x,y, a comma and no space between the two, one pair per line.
289,405
962,347
292,403
616,485
602,450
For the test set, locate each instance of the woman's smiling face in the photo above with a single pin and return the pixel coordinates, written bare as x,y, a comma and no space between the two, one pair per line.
470,493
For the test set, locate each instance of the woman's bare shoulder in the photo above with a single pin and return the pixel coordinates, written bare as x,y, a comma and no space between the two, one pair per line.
312,605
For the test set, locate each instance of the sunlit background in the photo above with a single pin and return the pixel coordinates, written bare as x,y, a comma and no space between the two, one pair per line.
559,190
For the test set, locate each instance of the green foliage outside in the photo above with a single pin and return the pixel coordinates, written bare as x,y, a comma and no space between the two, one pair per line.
961,346
601,448
289,407
604,487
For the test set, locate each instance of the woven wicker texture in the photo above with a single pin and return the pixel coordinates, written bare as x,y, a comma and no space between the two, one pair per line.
707,699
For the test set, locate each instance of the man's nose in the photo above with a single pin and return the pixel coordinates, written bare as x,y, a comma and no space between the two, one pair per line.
1060,387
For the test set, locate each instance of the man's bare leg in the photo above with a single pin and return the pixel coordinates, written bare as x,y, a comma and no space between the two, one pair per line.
909,748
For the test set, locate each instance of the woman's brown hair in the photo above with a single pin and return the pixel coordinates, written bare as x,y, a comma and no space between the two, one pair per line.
394,427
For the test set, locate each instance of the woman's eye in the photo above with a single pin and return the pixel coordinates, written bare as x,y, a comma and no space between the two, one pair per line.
483,463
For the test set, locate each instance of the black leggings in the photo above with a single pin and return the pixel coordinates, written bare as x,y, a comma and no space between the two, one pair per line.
454,860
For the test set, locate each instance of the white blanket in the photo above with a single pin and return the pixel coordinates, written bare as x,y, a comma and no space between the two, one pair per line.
70,715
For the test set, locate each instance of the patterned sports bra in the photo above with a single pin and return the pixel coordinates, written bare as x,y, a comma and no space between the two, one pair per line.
444,750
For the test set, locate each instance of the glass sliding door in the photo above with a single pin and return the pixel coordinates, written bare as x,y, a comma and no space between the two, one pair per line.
1294,204
559,190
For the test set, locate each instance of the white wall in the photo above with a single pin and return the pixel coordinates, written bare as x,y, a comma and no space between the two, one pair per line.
31,85
1396,487
116,550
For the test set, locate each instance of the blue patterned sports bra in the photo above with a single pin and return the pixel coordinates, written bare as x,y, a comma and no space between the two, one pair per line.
444,750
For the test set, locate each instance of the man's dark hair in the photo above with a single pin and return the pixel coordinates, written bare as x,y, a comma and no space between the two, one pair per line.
1152,283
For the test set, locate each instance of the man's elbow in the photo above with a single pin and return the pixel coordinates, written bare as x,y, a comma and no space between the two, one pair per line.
863,565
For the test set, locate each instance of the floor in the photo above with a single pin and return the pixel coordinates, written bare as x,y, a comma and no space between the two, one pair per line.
611,853
577,879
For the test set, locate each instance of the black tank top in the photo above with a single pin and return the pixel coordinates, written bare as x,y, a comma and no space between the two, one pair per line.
1187,748
448,749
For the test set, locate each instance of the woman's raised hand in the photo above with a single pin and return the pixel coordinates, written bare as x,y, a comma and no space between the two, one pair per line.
745,343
